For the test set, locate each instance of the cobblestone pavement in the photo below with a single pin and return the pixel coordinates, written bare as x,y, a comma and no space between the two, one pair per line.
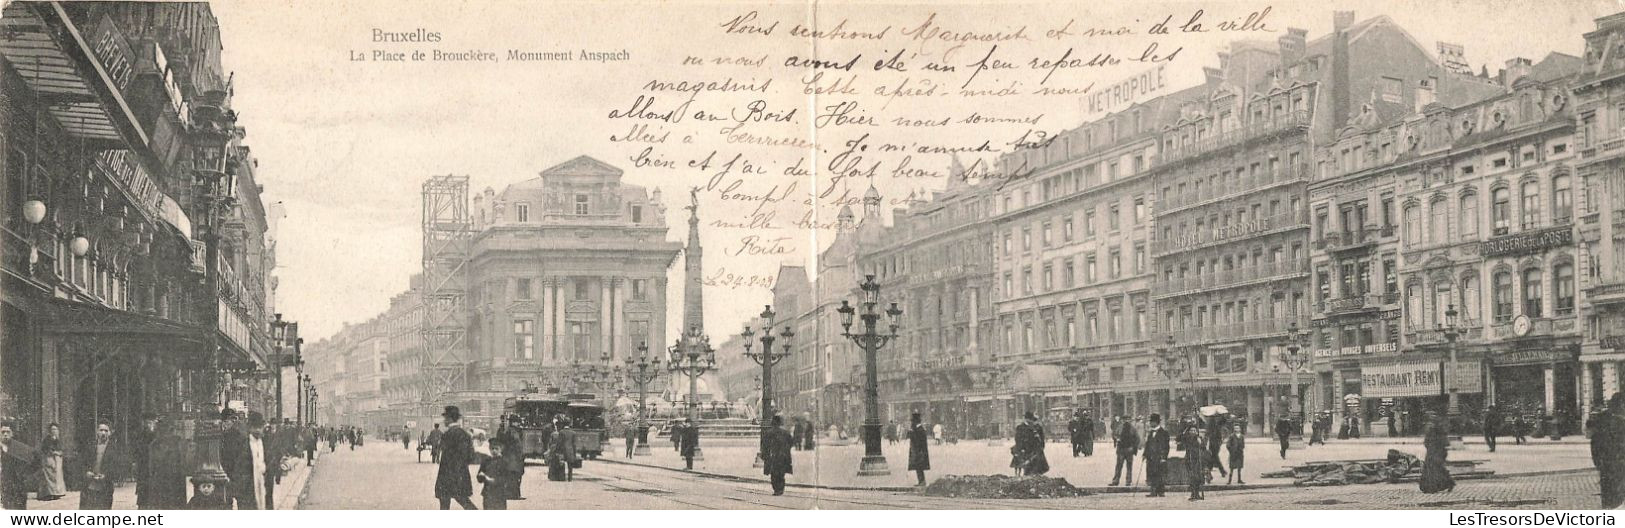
377,477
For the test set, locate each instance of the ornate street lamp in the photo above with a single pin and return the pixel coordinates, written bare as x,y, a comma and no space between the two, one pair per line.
1172,366
693,356
642,371
1076,373
1452,331
871,341
767,358
1295,357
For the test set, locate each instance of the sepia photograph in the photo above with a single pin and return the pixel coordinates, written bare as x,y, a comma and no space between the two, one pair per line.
813,255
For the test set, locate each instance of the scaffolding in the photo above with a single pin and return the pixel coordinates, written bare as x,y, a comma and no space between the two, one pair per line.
448,234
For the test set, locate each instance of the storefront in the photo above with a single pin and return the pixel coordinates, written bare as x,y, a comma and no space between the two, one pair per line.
1536,383
1408,391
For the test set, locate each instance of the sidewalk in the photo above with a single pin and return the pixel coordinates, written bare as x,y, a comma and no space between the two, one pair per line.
287,493
835,467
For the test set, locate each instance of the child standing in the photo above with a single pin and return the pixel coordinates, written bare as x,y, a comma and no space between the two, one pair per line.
501,479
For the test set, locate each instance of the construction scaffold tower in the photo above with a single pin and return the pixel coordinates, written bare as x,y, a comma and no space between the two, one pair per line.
448,234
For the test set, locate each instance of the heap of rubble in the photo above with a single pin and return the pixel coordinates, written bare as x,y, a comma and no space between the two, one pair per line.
1002,487
1398,467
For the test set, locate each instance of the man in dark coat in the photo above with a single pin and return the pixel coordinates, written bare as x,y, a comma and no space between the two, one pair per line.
1283,430
919,450
1435,466
1127,442
452,483
18,463
105,464
775,447
810,436
141,449
1492,426
237,459
690,444
311,438
1608,452
435,436
798,431
1074,429
167,468
1156,456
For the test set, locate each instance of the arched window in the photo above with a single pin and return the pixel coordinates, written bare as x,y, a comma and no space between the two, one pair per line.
1440,226
1562,198
1501,210
1469,215
1531,205
1531,292
1504,295
1413,225
1469,299
1564,277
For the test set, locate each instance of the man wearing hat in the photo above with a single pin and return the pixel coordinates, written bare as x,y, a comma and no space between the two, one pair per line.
1029,449
690,443
141,449
919,451
775,448
452,483
237,459
1156,455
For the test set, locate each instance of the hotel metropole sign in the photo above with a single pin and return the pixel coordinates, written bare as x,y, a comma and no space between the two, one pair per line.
1531,242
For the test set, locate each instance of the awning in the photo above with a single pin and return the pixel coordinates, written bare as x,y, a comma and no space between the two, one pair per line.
977,398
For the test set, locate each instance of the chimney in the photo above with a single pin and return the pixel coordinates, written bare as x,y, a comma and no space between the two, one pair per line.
1517,68
1341,21
1425,94
1293,45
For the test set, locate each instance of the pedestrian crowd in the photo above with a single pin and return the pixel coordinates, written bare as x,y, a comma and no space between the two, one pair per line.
254,456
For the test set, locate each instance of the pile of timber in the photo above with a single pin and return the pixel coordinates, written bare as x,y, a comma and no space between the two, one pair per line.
1398,467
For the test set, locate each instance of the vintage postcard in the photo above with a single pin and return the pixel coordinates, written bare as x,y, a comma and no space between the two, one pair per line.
396,255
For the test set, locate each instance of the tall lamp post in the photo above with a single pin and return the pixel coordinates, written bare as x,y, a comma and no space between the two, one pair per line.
1172,366
871,341
279,335
642,371
767,358
1295,357
1076,373
1452,331
693,356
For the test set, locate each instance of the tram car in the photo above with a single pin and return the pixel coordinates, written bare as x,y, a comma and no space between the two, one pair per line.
537,413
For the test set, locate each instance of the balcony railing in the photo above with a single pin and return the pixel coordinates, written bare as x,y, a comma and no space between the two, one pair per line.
1234,231
1298,119
1236,331
1228,278
1613,143
1226,191
1607,293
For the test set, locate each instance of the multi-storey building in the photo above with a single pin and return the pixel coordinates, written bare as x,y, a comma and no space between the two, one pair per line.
1413,213
568,270
113,115
1231,247
936,262
1599,90
1074,264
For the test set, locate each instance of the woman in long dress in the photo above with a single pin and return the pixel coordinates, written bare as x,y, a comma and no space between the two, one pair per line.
1435,474
51,483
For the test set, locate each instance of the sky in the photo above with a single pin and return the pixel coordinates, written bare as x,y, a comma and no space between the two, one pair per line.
344,146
